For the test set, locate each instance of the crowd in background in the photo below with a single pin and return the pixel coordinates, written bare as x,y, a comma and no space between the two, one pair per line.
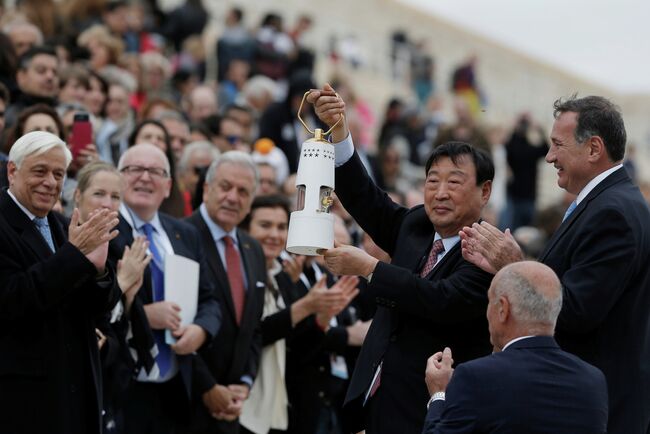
141,75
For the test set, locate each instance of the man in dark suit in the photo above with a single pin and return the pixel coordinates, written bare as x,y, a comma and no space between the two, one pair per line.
159,400
600,253
529,384
53,283
227,367
428,295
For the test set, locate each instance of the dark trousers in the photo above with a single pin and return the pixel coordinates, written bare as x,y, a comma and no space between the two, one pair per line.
156,408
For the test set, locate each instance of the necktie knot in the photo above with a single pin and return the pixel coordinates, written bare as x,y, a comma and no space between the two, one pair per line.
228,240
438,247
148,229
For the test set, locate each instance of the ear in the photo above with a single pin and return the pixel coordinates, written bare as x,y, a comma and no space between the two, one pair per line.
77,196
486,191
168,188
206,192
597,150
503,311
20,77
11,171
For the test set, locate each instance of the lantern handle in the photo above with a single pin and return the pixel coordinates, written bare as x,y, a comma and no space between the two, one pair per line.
325,134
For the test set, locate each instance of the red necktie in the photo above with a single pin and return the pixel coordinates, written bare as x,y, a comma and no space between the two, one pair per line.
436,249
235,278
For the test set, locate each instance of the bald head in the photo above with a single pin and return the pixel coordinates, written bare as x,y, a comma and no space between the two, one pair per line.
525,299
203,103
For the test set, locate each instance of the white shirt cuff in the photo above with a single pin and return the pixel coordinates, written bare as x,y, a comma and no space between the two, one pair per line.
343,151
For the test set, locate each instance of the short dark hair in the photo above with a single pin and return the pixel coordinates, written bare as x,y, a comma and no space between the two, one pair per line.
27,57
455,150
268,201
597,116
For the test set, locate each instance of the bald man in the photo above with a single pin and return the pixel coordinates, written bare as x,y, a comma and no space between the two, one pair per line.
529,384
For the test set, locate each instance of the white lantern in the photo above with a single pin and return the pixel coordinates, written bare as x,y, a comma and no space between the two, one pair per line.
311,226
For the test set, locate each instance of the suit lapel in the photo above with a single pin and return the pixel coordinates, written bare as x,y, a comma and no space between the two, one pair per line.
25,227
618,176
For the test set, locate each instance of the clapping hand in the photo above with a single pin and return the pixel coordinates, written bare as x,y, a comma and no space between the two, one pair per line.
92,236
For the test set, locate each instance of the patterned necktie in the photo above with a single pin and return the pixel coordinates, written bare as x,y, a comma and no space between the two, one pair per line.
436,249
44,228
164,356
569,210
235,278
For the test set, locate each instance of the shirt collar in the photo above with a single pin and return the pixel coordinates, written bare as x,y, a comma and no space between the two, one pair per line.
20,205
137,223
217,231
516,340
448,242
594,182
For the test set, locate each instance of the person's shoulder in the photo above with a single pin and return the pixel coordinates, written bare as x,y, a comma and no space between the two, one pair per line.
178,224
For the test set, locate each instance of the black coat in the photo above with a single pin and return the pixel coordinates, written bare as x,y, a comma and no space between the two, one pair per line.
601,255
235,351
50,377
531,387
415,316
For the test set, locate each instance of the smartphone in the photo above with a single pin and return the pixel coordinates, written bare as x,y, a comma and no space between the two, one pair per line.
82,133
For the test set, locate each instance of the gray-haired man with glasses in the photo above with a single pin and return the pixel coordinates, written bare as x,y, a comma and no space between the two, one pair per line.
163,371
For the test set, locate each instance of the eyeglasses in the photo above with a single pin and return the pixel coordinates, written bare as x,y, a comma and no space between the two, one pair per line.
138,171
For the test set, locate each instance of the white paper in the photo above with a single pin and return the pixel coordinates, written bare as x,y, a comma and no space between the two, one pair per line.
182,288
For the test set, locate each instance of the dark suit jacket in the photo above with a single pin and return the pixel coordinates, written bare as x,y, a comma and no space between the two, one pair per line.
185,242
415,317
601,255
50,377
531,387
235,351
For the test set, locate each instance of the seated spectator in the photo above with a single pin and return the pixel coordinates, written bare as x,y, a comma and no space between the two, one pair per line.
516,389
38,81
24,35
73,83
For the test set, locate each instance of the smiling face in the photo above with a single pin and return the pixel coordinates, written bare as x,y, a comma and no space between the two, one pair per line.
143,191
270,226
38,182
567,156
103,191
451,197
229,196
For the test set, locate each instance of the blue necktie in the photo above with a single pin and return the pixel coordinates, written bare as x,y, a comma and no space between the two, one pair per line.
44,228
164,356
569,210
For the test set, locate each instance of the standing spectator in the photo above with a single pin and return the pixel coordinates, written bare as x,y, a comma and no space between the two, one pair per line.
524,149
465,86
227,368
422,69
158,402
599,252
54,283
235,42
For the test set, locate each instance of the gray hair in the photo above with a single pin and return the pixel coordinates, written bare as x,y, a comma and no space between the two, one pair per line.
238,158
171,114
200,146
121,164
19,24
36,143
258,86
529,305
